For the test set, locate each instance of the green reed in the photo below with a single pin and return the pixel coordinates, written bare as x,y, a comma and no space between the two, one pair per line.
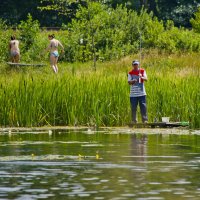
173,89
63,100
78,95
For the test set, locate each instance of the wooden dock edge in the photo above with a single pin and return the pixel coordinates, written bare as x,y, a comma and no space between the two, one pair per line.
25,64
159,125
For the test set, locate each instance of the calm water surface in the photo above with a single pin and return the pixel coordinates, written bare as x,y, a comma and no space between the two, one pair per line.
99,165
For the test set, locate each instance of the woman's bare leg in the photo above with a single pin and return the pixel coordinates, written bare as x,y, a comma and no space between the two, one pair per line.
55,64
53,61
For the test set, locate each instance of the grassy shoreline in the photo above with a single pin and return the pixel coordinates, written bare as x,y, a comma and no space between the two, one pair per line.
79,95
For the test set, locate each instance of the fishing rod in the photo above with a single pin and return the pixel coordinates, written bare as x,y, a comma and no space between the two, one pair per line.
140,47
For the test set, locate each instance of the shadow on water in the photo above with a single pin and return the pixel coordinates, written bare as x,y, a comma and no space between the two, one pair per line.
87,164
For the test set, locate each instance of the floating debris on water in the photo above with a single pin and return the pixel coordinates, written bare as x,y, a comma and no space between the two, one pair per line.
97,155
50,132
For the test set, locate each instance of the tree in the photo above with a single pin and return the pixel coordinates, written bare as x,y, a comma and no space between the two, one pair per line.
180,11
65,8
195,21
56,12
13,11
28,31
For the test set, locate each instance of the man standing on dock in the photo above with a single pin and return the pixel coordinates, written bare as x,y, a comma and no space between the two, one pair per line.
136,78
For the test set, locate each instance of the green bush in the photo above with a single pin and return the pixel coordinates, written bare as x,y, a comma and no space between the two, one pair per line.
196,21
5,34
29,31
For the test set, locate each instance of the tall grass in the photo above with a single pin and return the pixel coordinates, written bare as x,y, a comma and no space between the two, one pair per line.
78,95
63,100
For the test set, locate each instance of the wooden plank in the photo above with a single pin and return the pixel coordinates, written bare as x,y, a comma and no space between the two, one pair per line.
159,124
25,64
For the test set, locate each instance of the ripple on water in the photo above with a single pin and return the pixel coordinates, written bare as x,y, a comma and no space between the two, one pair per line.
154,183
128,195
151,198
90,179
92,145
180,182
9,189
34,196
40,158
36,190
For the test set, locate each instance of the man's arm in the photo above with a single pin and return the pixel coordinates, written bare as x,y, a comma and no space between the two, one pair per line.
130,80
144,76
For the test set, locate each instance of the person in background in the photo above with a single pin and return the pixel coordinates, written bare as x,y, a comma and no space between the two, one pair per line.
53,48
14,49
136,78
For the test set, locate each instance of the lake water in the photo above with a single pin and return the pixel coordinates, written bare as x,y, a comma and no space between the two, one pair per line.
106,164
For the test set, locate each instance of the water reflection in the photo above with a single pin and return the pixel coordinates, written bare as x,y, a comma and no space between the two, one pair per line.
139,146
64,165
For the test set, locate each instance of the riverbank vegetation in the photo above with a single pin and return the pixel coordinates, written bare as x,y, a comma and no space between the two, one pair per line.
79,95
91,87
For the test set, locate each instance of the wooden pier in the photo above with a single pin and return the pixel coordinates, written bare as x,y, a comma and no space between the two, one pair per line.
159,125
25,64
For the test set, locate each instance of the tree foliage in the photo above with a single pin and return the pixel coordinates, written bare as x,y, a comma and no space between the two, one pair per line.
195,21
14,11
110,33
180,11
113,33
28,31
100,32
63,7
56,12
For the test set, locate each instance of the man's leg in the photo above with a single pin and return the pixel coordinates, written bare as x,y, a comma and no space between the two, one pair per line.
134,103
143,108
